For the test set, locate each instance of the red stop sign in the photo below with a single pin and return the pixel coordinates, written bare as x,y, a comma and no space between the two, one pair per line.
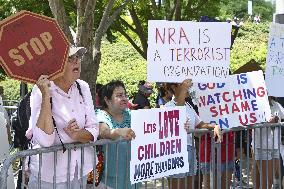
32,45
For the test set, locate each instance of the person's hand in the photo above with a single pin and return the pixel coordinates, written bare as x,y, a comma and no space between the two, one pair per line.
183,92
218,133
43,84
127,133
186,84
72,129
274,119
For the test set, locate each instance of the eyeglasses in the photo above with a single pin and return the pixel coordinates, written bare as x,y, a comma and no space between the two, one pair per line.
121,96
75,58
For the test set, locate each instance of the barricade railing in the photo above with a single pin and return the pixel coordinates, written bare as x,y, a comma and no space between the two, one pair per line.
252,141
219,165
10,109
10,106
39,151
10,102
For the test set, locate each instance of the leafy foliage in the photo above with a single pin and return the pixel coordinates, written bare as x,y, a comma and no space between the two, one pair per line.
141,11
103,11
239,9
121,62
251,43
11,89
12,6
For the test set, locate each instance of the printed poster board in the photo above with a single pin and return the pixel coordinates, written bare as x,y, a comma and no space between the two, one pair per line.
242,100
178,50
160,146
274,73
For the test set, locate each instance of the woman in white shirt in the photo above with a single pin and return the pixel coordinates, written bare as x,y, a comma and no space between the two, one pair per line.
60,114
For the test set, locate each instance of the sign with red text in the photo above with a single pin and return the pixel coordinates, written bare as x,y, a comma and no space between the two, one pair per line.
242,100
32,45
160,146
179,50
274,73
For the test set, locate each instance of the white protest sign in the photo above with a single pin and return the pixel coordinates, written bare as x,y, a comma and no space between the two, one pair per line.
274,73
178,50
242,100
160,146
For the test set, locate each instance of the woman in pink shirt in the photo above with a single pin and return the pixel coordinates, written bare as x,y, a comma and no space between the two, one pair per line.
59,115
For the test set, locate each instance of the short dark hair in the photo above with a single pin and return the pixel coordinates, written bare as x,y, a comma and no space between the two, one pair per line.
98,87
162,91
141,82
168,87
107,91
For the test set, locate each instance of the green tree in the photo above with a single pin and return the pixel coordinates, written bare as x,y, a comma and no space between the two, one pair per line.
121,61
263,8
251,43
239,9
134,25
90,19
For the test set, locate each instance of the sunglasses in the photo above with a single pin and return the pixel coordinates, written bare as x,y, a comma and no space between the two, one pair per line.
74,58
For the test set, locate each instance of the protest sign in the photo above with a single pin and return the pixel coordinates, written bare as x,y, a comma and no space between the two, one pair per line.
160,146
274,73
32,45
242,100
178,50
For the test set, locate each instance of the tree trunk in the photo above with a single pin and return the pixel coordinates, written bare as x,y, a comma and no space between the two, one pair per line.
140,31
58,11
90,70
178,10
85,33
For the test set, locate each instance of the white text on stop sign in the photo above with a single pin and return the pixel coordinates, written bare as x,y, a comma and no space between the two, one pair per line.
36,46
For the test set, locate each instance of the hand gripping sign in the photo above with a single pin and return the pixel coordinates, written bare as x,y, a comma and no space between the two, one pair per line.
32,45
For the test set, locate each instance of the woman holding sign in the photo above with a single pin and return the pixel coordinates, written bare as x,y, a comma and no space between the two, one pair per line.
180,92
114,120
62,112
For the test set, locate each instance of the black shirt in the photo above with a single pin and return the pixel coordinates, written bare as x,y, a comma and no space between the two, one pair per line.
141,100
